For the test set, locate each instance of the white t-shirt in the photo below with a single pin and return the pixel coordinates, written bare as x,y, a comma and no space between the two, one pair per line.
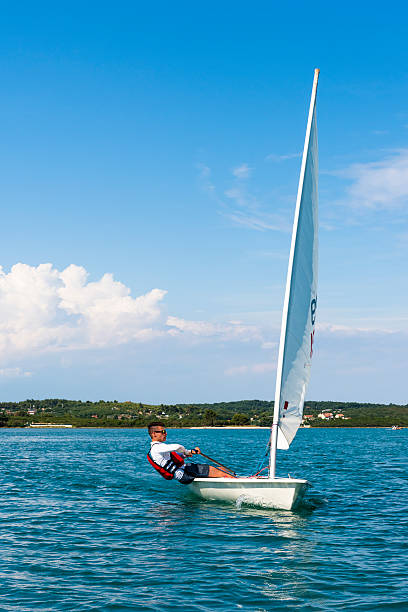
160,452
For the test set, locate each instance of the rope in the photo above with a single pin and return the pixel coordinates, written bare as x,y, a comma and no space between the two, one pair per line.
226,469
257,473
259,467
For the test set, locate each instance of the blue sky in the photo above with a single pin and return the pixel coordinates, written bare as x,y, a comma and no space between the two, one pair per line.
150,156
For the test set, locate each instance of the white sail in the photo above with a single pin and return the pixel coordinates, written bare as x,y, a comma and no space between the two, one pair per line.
295,350
299,312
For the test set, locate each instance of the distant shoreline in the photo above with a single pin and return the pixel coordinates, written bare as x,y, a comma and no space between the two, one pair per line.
226,427
241,414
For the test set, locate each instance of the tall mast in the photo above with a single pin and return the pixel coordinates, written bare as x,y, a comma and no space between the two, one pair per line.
276,411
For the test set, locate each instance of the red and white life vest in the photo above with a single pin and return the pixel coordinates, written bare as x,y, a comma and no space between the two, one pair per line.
167,469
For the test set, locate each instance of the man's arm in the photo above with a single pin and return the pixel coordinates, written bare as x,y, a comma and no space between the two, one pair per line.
162,447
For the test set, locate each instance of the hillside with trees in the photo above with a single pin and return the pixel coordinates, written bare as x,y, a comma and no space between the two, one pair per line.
239,413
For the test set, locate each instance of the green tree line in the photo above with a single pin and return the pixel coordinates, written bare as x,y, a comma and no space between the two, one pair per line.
244,412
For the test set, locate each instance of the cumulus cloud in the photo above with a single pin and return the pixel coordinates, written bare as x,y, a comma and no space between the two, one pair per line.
380,185
43,309
108,312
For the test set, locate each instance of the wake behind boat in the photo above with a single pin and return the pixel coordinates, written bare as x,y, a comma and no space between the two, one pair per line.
295,348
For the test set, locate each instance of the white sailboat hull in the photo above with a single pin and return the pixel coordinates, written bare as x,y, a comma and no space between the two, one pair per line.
279,493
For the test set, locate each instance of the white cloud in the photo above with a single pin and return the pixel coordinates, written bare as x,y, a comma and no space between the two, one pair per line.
247,212
239,205
277,255
43,309
259,221
278,158
205,178
344,330
242,172
196,328
14,373
239,195
257,368
108,312
233,330
269,345
381,185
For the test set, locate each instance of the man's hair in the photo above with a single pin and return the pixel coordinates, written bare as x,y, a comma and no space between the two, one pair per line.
154,424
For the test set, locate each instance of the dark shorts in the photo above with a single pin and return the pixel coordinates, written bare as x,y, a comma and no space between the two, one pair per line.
194,470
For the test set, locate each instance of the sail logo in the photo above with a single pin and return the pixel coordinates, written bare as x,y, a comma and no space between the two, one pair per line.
313,308
311,343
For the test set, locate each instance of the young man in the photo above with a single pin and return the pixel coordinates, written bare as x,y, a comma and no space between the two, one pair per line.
162,458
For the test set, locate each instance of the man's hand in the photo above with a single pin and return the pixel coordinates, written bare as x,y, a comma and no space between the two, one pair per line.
195,451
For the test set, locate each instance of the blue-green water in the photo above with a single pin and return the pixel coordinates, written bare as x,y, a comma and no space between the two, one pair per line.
87,525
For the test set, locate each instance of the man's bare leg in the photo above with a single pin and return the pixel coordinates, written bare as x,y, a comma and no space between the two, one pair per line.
216,473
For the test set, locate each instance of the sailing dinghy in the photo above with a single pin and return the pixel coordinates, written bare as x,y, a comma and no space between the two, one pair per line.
295,348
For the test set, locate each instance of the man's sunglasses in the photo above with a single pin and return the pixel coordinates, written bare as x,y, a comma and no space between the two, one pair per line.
162,431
